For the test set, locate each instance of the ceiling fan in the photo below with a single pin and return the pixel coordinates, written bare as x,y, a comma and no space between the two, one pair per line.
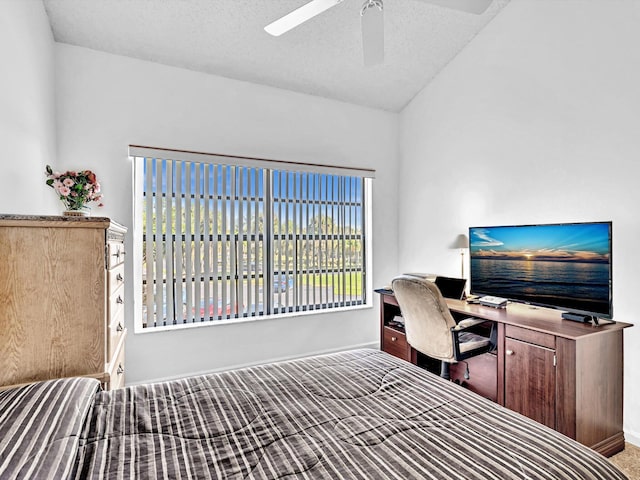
372,21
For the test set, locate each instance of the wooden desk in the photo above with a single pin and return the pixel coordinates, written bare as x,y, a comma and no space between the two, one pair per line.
564,374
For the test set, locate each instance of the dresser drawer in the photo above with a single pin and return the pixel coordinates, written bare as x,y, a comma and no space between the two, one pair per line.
116,366
116,278
115,253
115,320
115,333
116,303
395,343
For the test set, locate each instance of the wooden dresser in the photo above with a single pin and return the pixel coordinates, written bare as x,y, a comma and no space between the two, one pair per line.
61,299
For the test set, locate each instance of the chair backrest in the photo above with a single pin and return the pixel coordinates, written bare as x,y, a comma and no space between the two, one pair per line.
427,318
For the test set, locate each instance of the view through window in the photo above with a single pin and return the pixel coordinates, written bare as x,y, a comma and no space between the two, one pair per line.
233,241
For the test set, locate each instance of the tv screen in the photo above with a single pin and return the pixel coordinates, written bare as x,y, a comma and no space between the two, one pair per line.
565,266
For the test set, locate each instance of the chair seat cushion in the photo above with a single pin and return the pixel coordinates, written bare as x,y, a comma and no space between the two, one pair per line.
470,341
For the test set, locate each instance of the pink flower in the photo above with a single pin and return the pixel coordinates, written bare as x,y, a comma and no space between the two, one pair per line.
67,182
57,184
64,191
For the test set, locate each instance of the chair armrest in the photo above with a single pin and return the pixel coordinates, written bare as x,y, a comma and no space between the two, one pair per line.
467,323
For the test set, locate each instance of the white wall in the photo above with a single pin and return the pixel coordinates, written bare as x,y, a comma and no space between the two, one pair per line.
106,102
27,128
535,121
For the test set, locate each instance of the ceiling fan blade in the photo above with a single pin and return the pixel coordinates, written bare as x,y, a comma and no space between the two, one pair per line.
299,16
470,6
373,34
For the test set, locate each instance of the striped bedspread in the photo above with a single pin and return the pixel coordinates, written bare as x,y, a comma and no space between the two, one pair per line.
354,415
40,427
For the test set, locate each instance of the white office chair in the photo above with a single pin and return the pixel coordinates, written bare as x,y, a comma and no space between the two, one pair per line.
430,327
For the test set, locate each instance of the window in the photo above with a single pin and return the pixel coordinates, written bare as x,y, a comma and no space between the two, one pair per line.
226,238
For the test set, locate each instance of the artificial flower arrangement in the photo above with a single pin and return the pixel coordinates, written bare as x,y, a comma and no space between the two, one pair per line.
75,189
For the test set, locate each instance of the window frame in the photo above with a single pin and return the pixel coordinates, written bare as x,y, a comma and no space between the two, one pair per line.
271,166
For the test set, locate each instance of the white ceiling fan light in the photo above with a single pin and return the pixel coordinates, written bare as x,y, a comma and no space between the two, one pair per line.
372,14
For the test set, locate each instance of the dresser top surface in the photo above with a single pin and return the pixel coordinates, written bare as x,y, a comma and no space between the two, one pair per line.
55,221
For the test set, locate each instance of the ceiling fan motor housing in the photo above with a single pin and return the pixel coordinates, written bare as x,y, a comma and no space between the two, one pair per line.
371,4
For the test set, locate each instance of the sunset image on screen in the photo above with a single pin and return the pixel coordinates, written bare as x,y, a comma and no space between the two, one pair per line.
563,243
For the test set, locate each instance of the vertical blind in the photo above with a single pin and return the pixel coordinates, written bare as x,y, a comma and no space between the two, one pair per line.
231,241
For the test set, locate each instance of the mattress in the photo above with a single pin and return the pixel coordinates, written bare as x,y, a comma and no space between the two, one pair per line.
360,414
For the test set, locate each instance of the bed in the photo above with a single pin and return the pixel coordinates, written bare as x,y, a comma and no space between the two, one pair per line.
361,414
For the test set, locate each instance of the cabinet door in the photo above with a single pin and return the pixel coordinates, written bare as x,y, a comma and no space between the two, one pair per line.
530,381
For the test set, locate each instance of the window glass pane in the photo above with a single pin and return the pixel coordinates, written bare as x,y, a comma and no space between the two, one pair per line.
229,241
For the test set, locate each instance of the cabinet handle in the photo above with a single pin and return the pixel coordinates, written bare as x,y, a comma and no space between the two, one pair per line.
119,327
120,369
393,339
510,352
119,277
119,300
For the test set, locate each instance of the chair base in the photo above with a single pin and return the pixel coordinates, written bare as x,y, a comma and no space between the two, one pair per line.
445,370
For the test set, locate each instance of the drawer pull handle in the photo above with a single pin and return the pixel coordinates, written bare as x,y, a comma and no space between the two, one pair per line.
120,369
119,327
119,277
510,352
393,339
119,300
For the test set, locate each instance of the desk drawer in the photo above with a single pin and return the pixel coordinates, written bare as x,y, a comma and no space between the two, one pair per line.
395,343
530,336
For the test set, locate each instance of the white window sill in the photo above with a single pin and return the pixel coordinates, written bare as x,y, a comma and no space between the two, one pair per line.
229,321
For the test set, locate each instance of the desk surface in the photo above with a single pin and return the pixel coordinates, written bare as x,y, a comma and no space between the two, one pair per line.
546,320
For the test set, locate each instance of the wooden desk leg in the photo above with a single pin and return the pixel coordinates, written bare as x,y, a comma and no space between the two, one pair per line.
382,315
413,355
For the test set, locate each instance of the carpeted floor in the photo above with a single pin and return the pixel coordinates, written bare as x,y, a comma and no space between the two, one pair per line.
628,461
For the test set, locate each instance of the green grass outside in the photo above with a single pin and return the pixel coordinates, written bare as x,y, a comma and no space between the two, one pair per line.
353,282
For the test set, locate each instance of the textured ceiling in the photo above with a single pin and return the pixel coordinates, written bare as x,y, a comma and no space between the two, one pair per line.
322,57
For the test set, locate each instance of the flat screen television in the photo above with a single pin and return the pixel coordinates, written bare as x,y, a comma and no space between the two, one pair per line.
565,266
